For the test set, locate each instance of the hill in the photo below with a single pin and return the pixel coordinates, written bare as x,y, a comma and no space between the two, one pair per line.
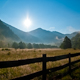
24,36
6,34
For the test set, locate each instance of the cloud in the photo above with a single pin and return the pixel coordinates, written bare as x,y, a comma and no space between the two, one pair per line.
57,37
60,38
51,28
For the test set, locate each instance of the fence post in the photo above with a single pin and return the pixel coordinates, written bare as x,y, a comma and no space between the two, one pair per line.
69,63
44,67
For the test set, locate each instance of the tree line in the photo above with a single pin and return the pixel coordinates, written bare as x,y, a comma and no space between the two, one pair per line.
23,45
67,43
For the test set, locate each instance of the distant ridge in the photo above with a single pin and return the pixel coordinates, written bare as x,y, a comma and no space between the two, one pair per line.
50,37
44,35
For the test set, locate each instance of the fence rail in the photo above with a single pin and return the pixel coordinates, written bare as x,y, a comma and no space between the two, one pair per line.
44,60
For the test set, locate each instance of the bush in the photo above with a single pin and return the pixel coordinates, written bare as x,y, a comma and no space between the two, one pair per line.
39,50
3,49
74,48
8,53
34,50
7,49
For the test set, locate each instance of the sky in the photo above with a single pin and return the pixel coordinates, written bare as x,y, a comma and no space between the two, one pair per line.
53,15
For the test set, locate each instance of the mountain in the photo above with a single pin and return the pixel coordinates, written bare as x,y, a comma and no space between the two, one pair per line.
24,36
47,36
60,35
6,34
51,37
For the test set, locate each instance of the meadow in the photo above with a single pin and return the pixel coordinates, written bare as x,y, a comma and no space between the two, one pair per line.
17,54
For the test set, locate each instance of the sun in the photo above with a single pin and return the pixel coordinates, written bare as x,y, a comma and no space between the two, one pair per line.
27,22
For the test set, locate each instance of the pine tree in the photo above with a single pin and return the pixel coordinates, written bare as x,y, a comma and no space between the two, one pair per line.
15,45
76,41
29,46
22,45
35,45
66,43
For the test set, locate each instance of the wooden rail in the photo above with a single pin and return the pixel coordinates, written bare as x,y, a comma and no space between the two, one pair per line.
44,60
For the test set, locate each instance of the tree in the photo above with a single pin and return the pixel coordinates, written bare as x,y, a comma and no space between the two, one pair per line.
15,45
22,45
29,45
66,43
35,45
76,41
41,45
2,44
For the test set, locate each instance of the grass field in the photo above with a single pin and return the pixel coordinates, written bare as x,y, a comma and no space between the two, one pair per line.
12,54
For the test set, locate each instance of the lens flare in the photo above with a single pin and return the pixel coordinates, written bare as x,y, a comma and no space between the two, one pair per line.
27,22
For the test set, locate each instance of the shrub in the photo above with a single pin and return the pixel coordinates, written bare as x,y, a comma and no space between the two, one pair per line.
7,49
74,48
8,53
3,49
39,50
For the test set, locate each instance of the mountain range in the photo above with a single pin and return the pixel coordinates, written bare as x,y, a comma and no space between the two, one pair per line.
38,35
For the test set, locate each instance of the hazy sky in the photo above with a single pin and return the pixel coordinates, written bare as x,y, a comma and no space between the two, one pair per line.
54,15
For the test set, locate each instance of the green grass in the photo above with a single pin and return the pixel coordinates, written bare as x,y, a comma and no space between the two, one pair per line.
12,54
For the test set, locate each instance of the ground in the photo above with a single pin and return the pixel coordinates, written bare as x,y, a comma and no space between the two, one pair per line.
17,54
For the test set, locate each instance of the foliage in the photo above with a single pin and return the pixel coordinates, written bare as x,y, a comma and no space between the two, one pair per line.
66,43
76,41
41,45
15,45
29,46
3,49
22,45
36,45
7,49
8,53
3,44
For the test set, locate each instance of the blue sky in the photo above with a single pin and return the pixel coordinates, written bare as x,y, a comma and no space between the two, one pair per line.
54,15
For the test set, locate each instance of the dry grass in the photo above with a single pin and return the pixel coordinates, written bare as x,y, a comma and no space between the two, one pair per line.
12,54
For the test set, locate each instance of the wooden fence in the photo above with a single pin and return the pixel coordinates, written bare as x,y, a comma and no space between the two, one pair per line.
44,60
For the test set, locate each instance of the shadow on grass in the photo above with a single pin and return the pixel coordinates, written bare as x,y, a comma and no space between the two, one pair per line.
72,75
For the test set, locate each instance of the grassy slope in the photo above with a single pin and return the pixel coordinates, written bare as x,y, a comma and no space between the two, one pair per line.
12,54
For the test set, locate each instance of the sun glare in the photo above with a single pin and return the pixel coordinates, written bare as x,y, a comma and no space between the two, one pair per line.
27,22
